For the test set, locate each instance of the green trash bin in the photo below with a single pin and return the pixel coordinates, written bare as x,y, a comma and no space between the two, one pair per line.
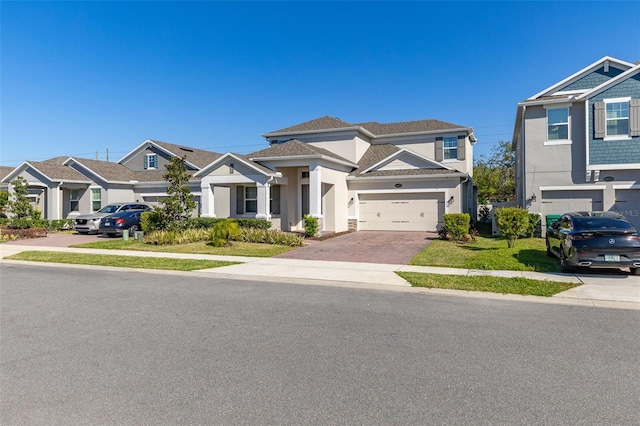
551,218
125,234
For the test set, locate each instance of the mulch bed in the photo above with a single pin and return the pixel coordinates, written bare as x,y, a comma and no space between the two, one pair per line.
23,233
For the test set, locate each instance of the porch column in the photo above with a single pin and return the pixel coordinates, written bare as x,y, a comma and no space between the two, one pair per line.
207,200
54,202
315,191
263,201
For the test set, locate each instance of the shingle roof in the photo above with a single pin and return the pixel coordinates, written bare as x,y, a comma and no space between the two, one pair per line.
54,169
293,148
108,170
4,171
198,157
409,172
378,129
322,123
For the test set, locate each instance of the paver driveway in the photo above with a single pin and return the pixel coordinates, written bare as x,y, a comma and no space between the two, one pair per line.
366,246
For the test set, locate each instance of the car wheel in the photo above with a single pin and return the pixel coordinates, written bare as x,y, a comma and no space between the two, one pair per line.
635,271
132,229
564,264
549,252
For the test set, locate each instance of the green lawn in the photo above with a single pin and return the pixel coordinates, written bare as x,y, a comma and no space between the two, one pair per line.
236,249
120,261
523,286
489,253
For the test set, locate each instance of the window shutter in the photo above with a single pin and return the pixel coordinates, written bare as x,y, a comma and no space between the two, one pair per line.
146,162
634,117
275,199
439,149
599,122
461,146
240,199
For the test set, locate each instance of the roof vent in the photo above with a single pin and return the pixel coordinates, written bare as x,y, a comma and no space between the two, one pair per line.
606,66
186,149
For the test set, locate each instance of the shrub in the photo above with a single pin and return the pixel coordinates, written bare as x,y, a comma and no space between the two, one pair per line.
456,226
512,222
532,228
150,221
266,236
224,230
310,225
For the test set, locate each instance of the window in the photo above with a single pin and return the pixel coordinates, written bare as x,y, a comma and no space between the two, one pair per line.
450,148
151,161
557,124
96,199
617,118
274,199
250,199
74,199
305,175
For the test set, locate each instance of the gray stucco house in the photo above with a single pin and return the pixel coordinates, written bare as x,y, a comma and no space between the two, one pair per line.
359,176
577,143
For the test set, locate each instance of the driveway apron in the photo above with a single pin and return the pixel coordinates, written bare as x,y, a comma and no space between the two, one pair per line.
365,246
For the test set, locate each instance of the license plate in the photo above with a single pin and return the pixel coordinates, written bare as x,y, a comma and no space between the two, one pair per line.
107,224
612,258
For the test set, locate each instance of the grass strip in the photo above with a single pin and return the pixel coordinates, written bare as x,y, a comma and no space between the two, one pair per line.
523,286
235,249
488,253
119,261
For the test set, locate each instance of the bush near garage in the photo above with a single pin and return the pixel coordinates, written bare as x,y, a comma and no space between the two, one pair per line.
247,235
151,221
512,222
456,227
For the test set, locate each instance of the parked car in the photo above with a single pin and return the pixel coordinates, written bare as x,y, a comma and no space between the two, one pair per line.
114,224
89,223
594,240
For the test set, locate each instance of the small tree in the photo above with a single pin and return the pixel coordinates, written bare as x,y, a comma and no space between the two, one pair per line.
4,202
177,207
512,222
456,226
20,210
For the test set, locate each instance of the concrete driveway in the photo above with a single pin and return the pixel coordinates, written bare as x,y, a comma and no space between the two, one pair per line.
59,239
365,246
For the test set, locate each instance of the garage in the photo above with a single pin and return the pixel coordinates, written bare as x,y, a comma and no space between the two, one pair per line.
559,202
400,212
628,204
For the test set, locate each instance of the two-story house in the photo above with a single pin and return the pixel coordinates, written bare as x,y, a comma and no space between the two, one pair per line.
577,143
365,176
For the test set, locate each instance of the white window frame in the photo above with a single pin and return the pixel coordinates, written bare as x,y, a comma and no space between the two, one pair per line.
74,200
247,199
99,192
448,150
607,102
147,162
566,141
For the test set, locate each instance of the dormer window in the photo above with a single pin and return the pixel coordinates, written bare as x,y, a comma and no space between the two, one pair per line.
151,161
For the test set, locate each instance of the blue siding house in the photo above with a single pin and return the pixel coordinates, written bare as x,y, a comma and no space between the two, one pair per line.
577,143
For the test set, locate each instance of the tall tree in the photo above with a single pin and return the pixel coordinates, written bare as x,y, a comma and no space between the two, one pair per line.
495,175
179,203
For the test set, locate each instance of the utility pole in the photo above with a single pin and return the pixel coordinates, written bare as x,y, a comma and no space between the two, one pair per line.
107,154
97,155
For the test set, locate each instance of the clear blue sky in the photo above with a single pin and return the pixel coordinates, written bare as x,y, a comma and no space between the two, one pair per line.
81,77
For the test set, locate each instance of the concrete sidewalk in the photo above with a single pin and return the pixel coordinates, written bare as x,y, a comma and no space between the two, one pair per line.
595,290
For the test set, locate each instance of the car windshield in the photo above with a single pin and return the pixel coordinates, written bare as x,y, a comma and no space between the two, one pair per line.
111,208
593,224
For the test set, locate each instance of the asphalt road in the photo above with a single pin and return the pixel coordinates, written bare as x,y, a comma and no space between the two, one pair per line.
96,347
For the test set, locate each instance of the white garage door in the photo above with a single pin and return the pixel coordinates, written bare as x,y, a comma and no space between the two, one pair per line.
406,212
628,204
559,202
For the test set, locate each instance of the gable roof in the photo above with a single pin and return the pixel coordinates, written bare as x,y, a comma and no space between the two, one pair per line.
379,154
295,148
4,171
371,128
623,65
237,157
196,158
604,86
52,169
